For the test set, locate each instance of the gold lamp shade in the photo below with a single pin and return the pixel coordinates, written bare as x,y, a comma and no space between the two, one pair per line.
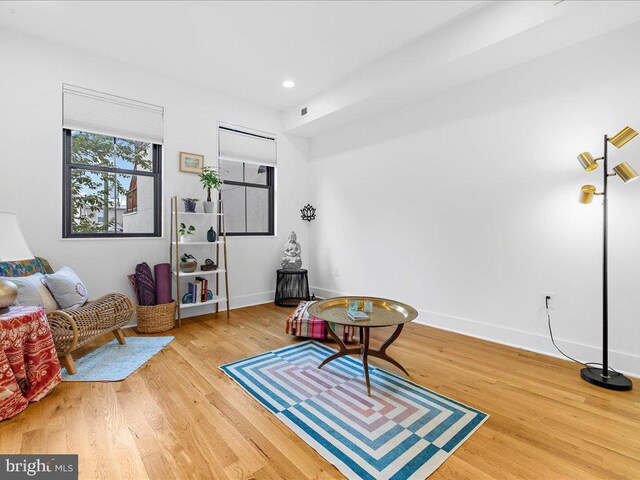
587,161
622,137
625,172
587,193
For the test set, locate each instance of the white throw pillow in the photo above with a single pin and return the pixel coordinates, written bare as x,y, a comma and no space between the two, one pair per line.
33,292
66,288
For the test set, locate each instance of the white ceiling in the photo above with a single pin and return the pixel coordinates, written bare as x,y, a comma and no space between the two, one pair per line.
244,49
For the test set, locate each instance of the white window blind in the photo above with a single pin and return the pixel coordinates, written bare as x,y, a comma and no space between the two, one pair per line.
246,146
97,112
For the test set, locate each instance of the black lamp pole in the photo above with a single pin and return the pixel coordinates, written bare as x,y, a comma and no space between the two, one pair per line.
603,377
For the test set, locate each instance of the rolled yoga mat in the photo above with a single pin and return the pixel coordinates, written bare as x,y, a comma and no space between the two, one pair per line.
163,283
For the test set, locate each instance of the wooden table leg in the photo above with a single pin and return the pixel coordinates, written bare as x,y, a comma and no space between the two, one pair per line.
343,348
382,351
364,339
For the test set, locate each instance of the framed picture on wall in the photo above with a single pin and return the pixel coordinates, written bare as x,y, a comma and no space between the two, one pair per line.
191,162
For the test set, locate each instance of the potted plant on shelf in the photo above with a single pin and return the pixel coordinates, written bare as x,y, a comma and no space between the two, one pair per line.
190,204
186,232
188,263
210,179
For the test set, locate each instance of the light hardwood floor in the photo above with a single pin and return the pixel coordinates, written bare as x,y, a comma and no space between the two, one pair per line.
179,417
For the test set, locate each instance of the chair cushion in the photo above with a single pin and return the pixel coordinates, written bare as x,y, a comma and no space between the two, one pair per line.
33,292
67,288
301,324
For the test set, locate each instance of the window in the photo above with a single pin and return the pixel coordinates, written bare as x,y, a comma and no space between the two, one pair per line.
247,163
112,165
112,186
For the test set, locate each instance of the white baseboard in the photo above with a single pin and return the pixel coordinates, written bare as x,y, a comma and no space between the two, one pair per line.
621,361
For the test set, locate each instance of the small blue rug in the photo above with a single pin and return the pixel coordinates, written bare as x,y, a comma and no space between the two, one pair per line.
114,362
401,432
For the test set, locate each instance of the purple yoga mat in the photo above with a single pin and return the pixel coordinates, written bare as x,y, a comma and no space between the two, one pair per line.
163,283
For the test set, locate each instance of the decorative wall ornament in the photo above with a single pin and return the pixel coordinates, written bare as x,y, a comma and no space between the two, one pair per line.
292,253
308,213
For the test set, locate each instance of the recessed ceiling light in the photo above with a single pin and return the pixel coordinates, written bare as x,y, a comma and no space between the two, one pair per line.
288,84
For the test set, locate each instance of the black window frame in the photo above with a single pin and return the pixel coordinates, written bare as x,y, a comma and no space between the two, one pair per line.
68,166
270,186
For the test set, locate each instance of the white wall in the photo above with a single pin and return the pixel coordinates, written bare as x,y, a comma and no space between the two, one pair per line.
465,206
32,73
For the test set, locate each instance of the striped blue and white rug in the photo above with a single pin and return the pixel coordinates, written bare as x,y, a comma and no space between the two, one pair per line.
403,431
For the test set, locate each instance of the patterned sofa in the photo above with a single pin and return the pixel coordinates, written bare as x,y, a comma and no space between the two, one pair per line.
75,327
301,324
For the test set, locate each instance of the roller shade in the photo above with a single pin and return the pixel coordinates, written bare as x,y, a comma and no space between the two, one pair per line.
97,112
240,146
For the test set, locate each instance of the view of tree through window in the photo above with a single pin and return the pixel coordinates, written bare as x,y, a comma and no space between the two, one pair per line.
111,185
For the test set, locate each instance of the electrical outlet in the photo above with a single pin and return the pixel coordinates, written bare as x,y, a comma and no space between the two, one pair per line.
552,300
336,272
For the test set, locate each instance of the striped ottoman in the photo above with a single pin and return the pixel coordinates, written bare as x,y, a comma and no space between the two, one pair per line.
301,324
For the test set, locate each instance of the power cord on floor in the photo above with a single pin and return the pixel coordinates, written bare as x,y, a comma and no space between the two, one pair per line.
589,365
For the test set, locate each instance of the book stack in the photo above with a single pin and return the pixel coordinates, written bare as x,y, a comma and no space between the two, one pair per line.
198,290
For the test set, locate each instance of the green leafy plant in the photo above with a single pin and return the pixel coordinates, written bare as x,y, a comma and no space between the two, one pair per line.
184,230
210,178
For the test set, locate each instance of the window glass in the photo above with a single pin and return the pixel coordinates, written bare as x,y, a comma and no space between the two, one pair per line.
255,173
257,209
232,171
111,186
233,197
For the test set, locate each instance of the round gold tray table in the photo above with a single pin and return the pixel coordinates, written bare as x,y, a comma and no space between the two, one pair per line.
385,313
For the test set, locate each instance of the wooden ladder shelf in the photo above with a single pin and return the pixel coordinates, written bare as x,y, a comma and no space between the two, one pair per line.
174,258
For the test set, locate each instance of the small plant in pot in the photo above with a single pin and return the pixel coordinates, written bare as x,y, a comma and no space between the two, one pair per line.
188,263
210,179
190,204
186,233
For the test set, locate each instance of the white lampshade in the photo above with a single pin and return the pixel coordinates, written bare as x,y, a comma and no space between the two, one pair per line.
13,246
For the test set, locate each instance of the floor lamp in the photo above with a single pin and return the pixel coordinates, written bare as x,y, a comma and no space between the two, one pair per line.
605,377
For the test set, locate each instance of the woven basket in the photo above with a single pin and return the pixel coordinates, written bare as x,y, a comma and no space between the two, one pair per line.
156,318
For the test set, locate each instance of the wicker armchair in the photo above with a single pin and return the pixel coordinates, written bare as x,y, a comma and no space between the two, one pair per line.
73,328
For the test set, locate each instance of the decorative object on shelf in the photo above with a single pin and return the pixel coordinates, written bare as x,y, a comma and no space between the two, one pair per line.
210,178
292,253
308,213
8,294
292,286
211,235
606,377
188,297
191,162
190,204
186,232
188,263
208,265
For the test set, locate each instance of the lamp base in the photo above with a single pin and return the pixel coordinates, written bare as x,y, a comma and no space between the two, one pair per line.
615,381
